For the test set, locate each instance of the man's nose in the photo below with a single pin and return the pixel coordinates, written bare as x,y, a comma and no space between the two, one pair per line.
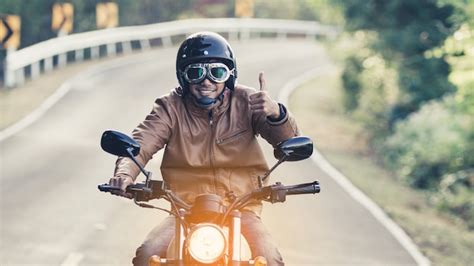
206,82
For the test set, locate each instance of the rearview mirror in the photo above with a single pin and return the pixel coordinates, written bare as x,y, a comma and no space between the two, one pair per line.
119,144
294,149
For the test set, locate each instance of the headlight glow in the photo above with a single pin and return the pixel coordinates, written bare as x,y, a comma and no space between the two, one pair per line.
206,243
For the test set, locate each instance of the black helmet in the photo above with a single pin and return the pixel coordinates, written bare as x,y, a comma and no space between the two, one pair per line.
204,46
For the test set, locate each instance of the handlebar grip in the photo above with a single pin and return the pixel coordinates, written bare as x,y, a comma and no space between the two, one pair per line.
140,191
308,188
107,188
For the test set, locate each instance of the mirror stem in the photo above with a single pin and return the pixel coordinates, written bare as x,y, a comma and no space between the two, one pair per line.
273,168
145,172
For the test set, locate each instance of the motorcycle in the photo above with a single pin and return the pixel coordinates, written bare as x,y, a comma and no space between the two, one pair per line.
207,232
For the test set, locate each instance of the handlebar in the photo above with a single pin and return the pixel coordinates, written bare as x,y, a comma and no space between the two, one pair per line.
278,192
143,192
273,193
133,189
308,188
139,191
108,188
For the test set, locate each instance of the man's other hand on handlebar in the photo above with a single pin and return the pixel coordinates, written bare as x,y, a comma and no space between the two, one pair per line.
122,182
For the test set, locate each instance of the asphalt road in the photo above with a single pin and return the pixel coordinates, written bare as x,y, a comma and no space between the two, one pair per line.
53,214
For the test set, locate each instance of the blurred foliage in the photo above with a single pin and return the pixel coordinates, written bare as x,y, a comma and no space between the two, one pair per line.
318,10
408,78
379,83
405,31
35,18
431,143
423,80
404,27
433,146
456,195
351,82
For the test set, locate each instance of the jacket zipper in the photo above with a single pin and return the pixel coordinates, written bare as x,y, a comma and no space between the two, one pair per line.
211,121
211,155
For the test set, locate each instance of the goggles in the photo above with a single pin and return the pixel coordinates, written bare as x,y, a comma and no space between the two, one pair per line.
216,72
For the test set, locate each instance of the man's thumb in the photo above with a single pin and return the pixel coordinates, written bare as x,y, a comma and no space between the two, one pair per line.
261,80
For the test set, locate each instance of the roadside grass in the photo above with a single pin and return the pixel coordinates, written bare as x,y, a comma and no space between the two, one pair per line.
319,112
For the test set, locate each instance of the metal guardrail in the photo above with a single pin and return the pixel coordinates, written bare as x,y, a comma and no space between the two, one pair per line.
57,52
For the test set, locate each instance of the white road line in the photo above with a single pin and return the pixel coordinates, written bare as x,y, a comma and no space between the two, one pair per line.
344,182
73,259
33,116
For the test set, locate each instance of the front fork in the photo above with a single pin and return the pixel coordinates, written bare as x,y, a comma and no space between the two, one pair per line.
234,238
179,236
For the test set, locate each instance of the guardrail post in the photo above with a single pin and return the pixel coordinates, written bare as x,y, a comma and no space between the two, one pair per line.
244,34
145,44
35,70
111,49
166,41
126,47
62,60
20,77
8,72
9,77
95,52
48,64
79,55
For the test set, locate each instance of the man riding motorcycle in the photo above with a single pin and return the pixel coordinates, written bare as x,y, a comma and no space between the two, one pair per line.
208,127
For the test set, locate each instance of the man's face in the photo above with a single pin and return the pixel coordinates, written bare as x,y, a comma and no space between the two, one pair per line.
206,88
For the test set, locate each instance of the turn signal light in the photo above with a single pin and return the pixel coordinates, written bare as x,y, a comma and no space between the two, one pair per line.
260,261
155,261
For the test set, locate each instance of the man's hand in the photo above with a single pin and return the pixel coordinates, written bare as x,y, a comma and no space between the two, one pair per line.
122,183
261,103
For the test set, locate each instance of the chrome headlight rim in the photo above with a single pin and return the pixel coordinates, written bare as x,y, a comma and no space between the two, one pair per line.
197,229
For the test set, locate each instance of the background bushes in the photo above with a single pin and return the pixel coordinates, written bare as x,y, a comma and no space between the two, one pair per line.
410,83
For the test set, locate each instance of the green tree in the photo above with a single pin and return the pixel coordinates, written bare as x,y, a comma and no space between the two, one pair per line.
406,30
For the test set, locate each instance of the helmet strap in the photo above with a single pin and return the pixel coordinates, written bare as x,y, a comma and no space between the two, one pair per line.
205,101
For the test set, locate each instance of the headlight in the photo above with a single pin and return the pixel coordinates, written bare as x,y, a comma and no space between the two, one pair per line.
206,243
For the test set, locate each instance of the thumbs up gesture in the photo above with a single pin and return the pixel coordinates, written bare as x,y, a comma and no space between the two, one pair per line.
261,103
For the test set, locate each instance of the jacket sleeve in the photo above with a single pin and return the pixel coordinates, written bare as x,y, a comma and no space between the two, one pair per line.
152,134
275,132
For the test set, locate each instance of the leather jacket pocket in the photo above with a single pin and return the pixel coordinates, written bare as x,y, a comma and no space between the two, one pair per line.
231,137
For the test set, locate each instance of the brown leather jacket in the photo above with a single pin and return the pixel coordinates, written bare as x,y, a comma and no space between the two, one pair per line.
207,151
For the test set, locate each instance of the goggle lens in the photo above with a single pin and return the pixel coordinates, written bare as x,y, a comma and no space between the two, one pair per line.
216,72
219,72
195,73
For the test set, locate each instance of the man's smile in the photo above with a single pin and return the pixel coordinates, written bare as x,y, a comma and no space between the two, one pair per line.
206,91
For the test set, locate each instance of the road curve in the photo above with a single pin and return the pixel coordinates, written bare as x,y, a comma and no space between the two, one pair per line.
52,214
